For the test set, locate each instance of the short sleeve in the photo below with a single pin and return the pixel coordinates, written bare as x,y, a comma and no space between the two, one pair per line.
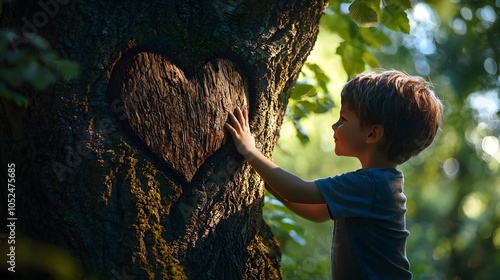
348,195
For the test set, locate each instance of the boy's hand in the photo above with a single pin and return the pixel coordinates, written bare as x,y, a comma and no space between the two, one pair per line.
240,131
284,184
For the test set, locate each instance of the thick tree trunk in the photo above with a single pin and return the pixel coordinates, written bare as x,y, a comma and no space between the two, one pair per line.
128,166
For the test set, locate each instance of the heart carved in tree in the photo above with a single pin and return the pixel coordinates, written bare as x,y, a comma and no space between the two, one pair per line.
178,117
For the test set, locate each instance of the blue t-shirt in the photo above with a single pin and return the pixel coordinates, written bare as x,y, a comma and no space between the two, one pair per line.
369,235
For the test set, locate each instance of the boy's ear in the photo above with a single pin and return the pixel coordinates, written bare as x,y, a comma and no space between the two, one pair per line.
375,134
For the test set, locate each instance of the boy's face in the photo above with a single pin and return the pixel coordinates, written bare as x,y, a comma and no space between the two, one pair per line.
350,137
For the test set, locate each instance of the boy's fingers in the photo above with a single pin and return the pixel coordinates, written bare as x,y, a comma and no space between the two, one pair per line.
231,116
245,112
241,118
234,121
230,128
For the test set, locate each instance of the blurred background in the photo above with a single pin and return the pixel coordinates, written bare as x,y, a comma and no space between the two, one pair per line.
453,187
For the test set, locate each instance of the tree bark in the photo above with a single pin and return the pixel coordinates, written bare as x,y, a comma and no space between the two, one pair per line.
128,166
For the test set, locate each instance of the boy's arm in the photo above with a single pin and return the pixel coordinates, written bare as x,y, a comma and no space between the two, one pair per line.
287,186
315,212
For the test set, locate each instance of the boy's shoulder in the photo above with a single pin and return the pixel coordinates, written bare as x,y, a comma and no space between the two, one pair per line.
367,177
363,193
388,172
366,181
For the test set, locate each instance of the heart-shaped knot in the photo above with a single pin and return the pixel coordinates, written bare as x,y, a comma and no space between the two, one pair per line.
180,118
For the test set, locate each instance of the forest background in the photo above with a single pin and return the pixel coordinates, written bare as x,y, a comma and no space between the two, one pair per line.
453,188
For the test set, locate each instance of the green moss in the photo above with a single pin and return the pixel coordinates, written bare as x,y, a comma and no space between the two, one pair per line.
256,263
154,254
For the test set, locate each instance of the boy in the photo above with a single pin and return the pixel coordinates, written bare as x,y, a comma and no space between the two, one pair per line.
385,118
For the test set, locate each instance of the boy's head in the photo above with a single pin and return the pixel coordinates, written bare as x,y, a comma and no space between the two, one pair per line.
405,106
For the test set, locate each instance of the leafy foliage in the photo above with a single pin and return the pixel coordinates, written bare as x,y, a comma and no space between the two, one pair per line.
29,62
359,43
452,187
459,224
285,229
369,13
365,13
310,96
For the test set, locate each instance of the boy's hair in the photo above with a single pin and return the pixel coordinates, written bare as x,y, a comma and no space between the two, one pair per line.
405,106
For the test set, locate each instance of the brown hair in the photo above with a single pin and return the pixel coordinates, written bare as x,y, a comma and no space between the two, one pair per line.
405,106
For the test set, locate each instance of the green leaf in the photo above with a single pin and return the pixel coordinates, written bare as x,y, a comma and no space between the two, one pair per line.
30,71
374,37
12,76
38,42
371,60
48,57
324,105
299,111
301,132
308,106
34,65
14,58
351,58
43,79
301,89
67,69
38,76
320,76
405,4
20,100
338,23
365,13
395,18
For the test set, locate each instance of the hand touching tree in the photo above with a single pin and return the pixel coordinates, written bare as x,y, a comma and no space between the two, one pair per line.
240,132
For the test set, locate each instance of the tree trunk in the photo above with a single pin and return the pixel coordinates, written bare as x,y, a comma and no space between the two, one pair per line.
128,166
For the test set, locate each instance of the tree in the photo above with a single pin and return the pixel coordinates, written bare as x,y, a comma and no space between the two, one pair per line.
128,166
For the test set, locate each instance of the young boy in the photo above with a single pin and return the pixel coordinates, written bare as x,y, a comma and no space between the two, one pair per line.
385,118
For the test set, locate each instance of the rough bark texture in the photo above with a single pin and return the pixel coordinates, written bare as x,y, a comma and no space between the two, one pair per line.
179,118
128,167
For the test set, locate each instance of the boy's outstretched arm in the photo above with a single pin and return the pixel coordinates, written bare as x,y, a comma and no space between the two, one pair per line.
314,212
286,186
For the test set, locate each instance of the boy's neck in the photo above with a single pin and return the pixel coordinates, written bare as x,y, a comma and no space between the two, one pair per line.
377,159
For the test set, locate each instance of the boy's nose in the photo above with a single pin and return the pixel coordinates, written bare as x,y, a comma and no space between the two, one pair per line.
334,126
